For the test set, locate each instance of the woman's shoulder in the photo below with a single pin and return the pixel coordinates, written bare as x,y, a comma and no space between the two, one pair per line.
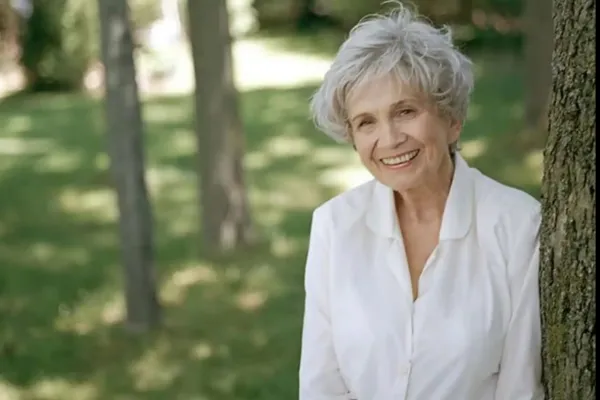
507,217
502,201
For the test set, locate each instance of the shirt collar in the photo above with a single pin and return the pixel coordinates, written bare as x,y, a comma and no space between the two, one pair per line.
381,214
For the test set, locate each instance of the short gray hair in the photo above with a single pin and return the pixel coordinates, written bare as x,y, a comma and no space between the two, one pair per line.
397,42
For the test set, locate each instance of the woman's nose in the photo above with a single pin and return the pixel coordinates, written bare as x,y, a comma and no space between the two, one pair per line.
391,135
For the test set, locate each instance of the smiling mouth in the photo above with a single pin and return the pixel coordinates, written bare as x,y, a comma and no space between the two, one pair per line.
401,159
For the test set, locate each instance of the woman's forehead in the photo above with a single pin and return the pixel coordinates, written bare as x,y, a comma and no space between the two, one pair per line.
381,91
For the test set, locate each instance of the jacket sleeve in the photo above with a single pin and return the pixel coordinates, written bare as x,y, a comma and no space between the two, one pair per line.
319,375
521,367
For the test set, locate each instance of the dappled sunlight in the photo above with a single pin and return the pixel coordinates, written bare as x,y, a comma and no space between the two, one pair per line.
335,155
8,391
257,160
182,142
287,193
46,255
154,370
16,125
259,338
225,382
175,288
280,106
183,221
269,217
522,174
344,170
282,246
535,162
165,113
259,283
345,177
97,204
473,148
60,389
161,177
251,300
301,172
263,277
173,191
193,275
50,256
95,309
202,351
278,147
21,146
60,161
101,161
286,145
259,66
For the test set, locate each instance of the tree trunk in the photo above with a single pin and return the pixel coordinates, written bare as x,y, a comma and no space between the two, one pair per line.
538,57
224,204
125,148
568,248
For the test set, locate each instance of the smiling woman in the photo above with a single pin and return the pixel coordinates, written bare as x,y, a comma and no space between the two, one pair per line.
421,283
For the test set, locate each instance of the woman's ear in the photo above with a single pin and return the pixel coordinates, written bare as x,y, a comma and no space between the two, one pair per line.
349,135
456,128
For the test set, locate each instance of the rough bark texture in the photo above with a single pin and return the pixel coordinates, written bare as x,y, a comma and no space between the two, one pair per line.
568,248
538,57
224,205
126,153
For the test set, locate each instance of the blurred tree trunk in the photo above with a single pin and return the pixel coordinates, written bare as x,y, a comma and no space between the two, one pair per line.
125,148
9,29
568,248
538,56
225,211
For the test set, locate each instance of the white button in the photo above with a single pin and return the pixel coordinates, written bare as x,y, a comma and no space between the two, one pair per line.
405,370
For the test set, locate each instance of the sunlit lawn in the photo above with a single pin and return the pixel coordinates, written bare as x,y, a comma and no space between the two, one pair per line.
231,326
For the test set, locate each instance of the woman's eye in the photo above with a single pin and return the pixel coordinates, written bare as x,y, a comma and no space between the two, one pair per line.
364,123
405,111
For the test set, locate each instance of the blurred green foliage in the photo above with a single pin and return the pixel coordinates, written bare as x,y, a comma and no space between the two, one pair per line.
477,23
59,41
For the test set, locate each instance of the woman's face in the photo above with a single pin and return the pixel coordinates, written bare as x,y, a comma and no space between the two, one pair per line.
400,137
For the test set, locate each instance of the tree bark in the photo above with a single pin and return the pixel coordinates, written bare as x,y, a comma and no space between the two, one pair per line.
568,248
125,148
538,57
224,205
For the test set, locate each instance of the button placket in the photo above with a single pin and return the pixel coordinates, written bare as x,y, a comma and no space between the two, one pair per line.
405,369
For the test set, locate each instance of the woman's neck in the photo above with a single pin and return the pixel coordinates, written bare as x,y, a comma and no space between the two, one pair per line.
426,203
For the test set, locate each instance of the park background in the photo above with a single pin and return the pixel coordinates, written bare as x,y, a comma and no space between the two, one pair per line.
229,323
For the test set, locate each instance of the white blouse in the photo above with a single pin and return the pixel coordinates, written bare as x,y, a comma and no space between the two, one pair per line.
474,331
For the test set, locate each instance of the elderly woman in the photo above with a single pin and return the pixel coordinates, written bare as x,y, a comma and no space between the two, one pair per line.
421,284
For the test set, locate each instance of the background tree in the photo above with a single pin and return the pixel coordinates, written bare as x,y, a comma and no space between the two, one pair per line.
568,248
224,205
125,148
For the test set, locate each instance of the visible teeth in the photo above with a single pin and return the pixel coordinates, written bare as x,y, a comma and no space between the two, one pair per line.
406,157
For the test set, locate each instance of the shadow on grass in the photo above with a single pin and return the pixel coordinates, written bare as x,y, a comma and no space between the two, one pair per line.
232,325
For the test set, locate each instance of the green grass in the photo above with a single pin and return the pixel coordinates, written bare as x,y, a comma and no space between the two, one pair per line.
232,326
